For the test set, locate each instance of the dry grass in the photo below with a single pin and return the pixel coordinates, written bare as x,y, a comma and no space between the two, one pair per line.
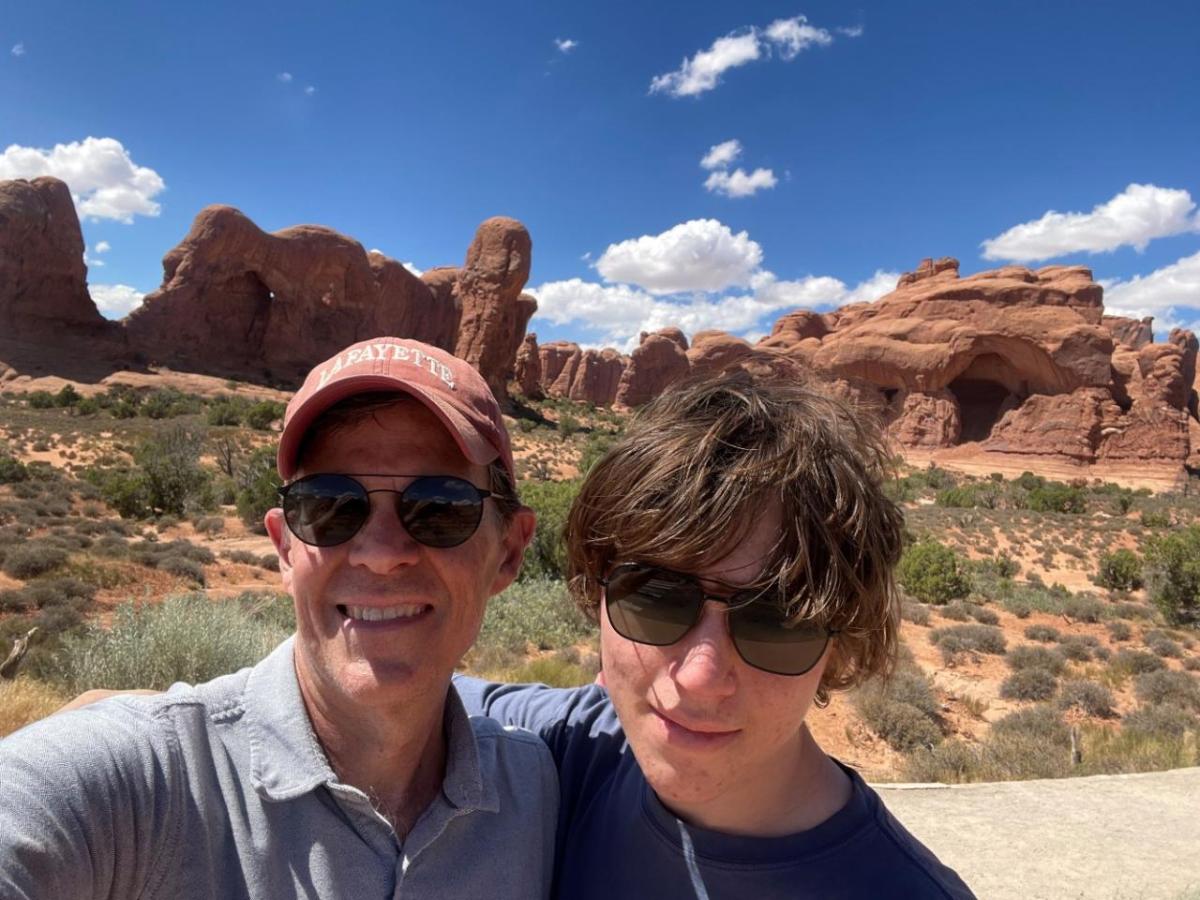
25,700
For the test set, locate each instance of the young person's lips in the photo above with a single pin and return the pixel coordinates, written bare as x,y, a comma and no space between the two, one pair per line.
695,735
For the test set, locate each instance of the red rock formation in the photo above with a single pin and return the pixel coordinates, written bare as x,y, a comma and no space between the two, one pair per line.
1132,333
658,362
528,372
929,269
927,421
553,356
561,386
43,280
597,377
716,351
238,300
494,312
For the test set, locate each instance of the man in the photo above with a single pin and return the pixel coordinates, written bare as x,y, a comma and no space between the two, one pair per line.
737,549
343,765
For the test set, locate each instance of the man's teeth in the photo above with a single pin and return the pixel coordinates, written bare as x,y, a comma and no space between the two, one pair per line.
383,613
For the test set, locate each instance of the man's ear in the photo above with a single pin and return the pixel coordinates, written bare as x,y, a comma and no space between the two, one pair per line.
281,538
517,535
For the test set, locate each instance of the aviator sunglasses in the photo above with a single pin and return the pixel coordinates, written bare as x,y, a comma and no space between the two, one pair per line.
325,510
652,605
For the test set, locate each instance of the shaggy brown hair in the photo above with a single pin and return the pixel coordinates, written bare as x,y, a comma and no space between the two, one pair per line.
684,485
344,414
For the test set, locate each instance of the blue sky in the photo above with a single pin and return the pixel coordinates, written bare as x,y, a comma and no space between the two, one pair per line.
867,137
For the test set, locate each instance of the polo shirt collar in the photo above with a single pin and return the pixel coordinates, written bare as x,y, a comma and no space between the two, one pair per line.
287,760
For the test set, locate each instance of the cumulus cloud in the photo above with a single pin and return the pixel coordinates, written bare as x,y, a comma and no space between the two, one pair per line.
699,255
102,247
565,45
18,49
1134,217
702,72
740,183
115,300
851,31
310,90
104,180
1161,293
872,289
284,77
720,156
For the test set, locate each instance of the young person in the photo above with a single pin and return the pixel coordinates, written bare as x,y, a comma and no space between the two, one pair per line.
736,548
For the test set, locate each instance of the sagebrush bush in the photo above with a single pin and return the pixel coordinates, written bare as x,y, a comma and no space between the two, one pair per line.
1120,570
1034,656
955,612
1168,687
186,637
1119,631
182,567
1029,684
1163,646
33,558
535,611
957,639
933,573
1078,647
1044,633
1082,608
1164,720
917,613
901,725
1091,697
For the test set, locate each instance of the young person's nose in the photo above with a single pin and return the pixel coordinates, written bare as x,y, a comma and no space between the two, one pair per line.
383,543
705,658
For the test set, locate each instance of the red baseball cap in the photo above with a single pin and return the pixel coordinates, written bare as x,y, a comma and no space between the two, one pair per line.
450,387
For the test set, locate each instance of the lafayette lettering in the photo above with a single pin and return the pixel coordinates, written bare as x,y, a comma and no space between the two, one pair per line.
396,352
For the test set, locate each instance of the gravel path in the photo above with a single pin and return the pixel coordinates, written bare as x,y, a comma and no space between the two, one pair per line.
1106,837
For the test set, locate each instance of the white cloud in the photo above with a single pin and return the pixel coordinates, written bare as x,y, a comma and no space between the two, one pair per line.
18,49
115,300
699,255
1136,216
852,31
872,289
739,183
719,156
565,45
104,180
102,247
284,77
794,35
1158,294
310,90
412,268
703,71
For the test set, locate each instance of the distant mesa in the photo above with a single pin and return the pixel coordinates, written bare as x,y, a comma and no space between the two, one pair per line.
1010,361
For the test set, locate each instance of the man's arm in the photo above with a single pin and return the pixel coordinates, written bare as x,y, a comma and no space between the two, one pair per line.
82,805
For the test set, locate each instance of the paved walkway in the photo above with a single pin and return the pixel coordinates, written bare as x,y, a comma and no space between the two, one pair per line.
1105,837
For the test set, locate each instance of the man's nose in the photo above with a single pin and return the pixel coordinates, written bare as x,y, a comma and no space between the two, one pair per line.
706,659
383,543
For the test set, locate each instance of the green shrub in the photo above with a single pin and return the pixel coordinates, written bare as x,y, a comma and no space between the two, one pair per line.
1173,574
225,411
932,573
33,558
1163,646
1083,608
551,500
183,567
598,443
1135,662
209,525
1151,519
567,425
185,638
901,725
40,400
1044,633
1192,664
1120,570
1033,656
1054,496
12,470
968,496
535,611
1029,684
261,414
258,489
88,406
68,396
1170,688
1093,698
955,612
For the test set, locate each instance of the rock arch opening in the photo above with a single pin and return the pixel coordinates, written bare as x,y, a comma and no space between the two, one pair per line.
981,403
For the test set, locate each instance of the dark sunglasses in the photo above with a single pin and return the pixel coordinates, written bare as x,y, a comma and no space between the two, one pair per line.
651,605
436,510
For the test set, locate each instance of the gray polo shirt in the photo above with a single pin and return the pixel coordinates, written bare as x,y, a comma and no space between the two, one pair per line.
222,790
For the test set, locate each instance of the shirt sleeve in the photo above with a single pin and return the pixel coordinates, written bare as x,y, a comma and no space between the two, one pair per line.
83,805
564,718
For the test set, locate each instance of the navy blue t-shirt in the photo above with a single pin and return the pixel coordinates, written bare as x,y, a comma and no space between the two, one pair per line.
617,841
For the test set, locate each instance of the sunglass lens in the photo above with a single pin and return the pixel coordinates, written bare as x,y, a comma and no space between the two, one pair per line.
651,606
326,510
441,511
765,639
